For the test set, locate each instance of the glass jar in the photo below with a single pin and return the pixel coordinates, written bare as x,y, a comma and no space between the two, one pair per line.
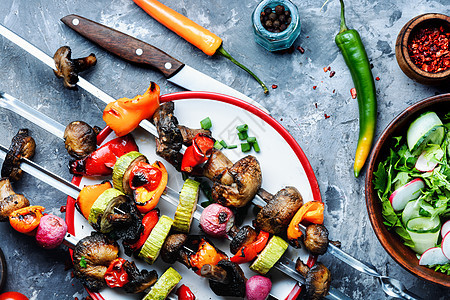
275,41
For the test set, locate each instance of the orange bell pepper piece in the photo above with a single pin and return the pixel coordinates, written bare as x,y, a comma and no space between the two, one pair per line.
88,195
26,219
206,255
124,114
312,212
147,200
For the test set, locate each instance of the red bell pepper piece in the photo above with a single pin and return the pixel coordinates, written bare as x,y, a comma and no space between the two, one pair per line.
101,161
115,275
198,152
145,175
185,293
206,254
249,252
148,221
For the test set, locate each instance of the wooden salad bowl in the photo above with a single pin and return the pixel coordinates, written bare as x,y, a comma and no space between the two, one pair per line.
389,240
402,55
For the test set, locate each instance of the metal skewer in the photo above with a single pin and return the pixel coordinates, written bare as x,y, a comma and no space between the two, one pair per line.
390,286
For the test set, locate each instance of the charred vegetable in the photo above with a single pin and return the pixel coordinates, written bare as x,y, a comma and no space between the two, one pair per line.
216,220
164,285
80,139
9,200
92,257
68,68
276,215
316,239
187,206
317,279
239,184
234,283
170,252
22,146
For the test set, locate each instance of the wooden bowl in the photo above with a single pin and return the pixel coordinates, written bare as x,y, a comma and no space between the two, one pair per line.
391,242
401,49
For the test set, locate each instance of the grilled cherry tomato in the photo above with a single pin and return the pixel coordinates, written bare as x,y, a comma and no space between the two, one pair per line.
13,296
115,275
185,293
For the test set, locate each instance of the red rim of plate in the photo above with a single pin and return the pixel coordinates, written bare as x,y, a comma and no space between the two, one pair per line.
70,207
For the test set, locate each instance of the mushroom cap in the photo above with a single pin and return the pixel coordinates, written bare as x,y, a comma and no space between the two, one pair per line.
170,250
316,239
80,139
235,286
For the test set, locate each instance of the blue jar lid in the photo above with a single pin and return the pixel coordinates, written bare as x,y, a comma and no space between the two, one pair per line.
275,41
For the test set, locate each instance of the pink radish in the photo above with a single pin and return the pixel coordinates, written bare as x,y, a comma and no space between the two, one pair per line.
410,191
446,245
445,228
424,165
433,256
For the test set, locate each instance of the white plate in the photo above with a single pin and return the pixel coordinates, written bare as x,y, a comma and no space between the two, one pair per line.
282,162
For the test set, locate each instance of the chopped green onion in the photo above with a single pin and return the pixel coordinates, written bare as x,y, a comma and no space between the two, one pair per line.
206,123
256,146
243,135
242,128
231,146
246,147
83,262
224,145
218,145
251,140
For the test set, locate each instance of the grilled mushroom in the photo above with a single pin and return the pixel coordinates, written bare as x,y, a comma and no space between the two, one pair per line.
239,184
316,239
9,200
80,139
170,138
138,281
68,68
216,166
170,251
91,258
22,146
188,134
233,284
276,215
317,279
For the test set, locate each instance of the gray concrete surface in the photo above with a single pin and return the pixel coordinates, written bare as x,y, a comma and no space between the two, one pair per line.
329,143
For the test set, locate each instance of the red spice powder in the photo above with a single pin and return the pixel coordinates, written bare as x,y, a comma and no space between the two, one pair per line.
326,116
353,93
377,79
314,87
332,73
274,86
429,49
301,49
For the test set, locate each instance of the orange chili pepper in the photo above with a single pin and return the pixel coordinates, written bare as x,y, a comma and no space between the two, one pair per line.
26,219
145,199
311,211
195,34
88,195
206,255
124,114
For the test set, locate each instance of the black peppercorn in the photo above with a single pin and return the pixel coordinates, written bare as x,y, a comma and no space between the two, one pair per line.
275,20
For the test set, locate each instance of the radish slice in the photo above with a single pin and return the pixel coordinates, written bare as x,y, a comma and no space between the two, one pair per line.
445,229
410,191
424,165
446,245
433,256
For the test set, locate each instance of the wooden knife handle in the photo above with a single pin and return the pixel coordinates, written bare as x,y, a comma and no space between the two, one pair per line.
123,45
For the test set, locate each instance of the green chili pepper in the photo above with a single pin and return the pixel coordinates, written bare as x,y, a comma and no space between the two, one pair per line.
355,56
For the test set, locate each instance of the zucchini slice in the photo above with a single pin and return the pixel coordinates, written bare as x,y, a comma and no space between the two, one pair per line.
120,168
100,205
165,284
273,251
187,206
155,240
426,129
424,232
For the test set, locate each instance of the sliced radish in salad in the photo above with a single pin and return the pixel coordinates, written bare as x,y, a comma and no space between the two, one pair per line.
425,165
445,229
433,256
446,245
410,191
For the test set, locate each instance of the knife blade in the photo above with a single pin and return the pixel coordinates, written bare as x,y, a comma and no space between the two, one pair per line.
141,53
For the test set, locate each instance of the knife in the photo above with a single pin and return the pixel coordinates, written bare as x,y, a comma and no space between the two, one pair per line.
144,54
